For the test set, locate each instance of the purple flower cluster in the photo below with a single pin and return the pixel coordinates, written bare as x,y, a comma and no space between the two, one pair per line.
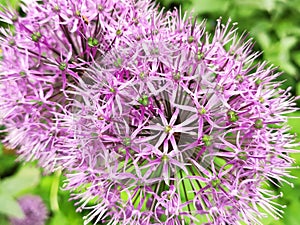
153,120
34,209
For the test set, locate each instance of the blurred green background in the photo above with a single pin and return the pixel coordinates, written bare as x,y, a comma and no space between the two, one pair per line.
275,27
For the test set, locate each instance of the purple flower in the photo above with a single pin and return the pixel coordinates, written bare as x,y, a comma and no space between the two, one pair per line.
153,120
183,130
44,55
35,212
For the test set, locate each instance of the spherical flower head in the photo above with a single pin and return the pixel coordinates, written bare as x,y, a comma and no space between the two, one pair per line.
34,209
43,54
180,127
153,120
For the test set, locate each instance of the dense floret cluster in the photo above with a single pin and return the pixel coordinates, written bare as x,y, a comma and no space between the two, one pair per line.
152,119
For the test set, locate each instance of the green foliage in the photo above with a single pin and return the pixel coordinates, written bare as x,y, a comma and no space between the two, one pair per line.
12,186
12,3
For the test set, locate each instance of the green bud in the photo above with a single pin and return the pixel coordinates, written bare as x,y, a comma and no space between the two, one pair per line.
190,39
242,155
168,128
118,32
92,42
215,183
258,124
207,140
176,76
202,111
144,100
239,78
127,141
118,62
36,36
62,66
165,158
232,116
258,81
199,55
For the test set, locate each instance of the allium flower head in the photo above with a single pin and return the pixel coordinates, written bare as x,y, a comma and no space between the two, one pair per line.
185,130
154,120
35,212
44,53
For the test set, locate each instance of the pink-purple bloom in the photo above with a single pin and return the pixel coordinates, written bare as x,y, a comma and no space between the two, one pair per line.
34,209
153,120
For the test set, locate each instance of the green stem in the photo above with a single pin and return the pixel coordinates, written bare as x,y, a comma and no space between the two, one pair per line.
54,192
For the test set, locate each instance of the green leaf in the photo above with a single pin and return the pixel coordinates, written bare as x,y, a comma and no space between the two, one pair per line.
10,207
3,220
208,6
26,178
13,3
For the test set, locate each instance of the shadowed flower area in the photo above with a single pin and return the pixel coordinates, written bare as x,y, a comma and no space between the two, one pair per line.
152,119
35,212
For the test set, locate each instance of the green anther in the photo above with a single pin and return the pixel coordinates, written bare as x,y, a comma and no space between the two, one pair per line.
202,111
77,13
142,75
190,39
135,21
36,36
207,140
261,100
112,90
177,76
121,150
40,103
155,32
94,134
242,155
118,62
168,128
239,78
100,117
92,42
215,183
155,51
144,100
258,81
100,7
127,141
22,74
190,70
258,124
43,121
56,8
165,158
232,116
199,55
11,42
62,66
118,32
